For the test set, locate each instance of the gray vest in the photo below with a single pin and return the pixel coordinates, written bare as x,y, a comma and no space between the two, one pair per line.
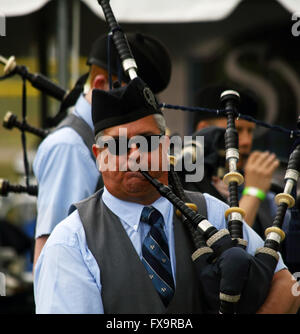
126,287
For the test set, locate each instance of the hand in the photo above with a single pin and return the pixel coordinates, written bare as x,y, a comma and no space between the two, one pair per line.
259,170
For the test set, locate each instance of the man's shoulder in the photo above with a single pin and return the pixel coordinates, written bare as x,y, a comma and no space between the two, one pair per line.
69,232
215,208
215,211
65,140
210,200
62,136
88,201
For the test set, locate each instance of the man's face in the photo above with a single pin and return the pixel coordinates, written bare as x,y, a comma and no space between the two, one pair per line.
245,131
121,181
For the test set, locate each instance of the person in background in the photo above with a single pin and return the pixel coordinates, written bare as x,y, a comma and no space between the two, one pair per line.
258,167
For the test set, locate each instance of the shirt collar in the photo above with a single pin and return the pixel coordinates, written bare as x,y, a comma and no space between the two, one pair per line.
83,109
130,212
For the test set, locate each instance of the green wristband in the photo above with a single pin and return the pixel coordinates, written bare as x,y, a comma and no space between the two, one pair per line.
252,191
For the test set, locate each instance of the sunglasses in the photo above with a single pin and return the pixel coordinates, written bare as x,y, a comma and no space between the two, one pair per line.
123,145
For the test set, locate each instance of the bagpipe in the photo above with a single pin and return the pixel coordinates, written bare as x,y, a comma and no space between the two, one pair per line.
232,280
39,81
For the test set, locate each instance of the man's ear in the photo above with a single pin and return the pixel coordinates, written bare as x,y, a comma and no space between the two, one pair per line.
99,82
96,150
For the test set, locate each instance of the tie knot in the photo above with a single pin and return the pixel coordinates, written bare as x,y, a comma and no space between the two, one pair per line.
151,216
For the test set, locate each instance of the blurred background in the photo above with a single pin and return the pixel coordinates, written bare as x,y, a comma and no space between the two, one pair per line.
251,43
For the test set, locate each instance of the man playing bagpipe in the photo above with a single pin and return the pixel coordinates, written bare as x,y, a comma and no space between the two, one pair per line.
124,249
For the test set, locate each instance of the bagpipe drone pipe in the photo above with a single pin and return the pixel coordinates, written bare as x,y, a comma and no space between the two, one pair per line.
67,99
45,85
232,280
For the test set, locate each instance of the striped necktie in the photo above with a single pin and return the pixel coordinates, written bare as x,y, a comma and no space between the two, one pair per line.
156,257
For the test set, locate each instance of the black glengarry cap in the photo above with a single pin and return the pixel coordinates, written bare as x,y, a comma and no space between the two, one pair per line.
122,105
151,56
